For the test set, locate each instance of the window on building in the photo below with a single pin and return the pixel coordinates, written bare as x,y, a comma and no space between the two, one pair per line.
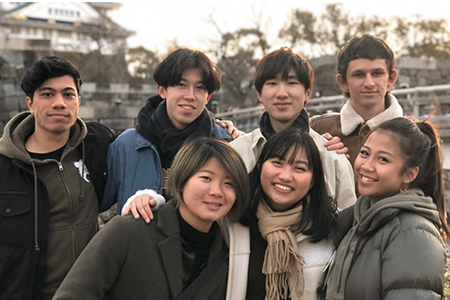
15,29
47,33
65,34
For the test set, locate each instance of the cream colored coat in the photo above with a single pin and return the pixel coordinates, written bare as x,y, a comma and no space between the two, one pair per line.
316,257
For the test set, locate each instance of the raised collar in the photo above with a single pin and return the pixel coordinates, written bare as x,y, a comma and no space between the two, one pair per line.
350,119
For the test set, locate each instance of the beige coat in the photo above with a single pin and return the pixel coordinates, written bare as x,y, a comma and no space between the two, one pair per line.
315,255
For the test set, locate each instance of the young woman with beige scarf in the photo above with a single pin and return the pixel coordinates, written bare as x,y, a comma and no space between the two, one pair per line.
279,249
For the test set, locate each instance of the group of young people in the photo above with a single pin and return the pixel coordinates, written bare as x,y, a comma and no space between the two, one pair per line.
272,214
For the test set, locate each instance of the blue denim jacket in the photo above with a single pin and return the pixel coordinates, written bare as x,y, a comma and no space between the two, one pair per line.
134,164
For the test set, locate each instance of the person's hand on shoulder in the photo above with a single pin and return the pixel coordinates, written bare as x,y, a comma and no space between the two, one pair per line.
142,203
335,143
233,131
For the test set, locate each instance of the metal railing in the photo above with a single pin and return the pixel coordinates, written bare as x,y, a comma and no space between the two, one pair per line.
417,101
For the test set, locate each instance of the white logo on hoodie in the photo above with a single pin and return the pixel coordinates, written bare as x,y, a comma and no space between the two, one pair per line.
79,165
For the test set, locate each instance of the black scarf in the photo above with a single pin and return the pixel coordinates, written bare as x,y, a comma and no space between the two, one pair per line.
302,123
154,125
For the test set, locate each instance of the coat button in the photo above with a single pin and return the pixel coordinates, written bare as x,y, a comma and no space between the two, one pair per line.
8,210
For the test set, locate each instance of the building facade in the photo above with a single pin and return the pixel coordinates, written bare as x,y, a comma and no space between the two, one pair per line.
34,29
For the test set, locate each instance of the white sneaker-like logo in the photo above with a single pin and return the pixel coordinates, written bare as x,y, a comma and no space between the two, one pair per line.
79,164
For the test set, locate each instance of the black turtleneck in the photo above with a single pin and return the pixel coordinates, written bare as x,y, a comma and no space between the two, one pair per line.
195,247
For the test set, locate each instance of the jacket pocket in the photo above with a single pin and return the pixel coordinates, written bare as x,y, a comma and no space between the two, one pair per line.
16,218
11,205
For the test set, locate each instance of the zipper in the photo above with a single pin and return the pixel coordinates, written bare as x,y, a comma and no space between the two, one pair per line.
72,209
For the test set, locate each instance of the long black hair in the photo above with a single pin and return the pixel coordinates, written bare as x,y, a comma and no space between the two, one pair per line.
318,217
420,146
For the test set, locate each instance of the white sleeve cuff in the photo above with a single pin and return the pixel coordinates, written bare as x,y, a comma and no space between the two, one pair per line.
159,199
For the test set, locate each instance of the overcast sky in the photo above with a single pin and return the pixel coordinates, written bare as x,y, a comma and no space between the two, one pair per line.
156,23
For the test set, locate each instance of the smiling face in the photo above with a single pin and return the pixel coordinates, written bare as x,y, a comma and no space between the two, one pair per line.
55,106
379,167
283,100
368,81
186,100
286,182
207,196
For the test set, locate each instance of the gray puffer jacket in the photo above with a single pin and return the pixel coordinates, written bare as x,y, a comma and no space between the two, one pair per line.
393,251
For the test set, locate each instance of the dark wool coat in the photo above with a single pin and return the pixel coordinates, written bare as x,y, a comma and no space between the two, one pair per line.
129,259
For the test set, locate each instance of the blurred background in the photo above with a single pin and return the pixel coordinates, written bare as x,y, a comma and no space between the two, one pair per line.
118,45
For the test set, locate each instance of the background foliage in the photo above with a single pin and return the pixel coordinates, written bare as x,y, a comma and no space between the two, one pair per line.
236,52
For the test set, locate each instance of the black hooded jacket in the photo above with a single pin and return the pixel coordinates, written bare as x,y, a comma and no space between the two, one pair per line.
24,210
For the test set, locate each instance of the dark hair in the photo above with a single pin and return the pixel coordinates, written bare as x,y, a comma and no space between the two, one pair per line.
46,68
318,217
282,61
194,154
169,71
425,154
367,46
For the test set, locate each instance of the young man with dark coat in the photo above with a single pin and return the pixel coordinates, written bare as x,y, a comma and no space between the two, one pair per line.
53,175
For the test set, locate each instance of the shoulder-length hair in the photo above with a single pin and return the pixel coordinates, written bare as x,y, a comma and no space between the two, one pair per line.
194,154
318,217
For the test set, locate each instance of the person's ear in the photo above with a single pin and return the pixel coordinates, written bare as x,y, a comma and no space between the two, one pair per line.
161,91
30,104
259,97
308,94
342,84
208,98
392,79
410,175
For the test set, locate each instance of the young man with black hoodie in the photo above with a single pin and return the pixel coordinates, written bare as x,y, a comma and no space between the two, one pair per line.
53,175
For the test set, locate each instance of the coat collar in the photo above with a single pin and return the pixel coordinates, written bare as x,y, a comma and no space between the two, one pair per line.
170,247
350,119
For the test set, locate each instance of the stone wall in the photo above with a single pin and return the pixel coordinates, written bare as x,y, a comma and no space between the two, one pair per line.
413,72
12,98
115,105
325,70
422,72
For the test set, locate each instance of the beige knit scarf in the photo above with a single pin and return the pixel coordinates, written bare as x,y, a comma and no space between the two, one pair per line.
283,265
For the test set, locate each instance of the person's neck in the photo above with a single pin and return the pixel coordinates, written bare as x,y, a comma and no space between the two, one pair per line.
198,225
368,113
280,126
45,143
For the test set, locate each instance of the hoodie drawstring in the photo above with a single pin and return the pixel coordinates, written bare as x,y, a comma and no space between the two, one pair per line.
82,170
36,233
